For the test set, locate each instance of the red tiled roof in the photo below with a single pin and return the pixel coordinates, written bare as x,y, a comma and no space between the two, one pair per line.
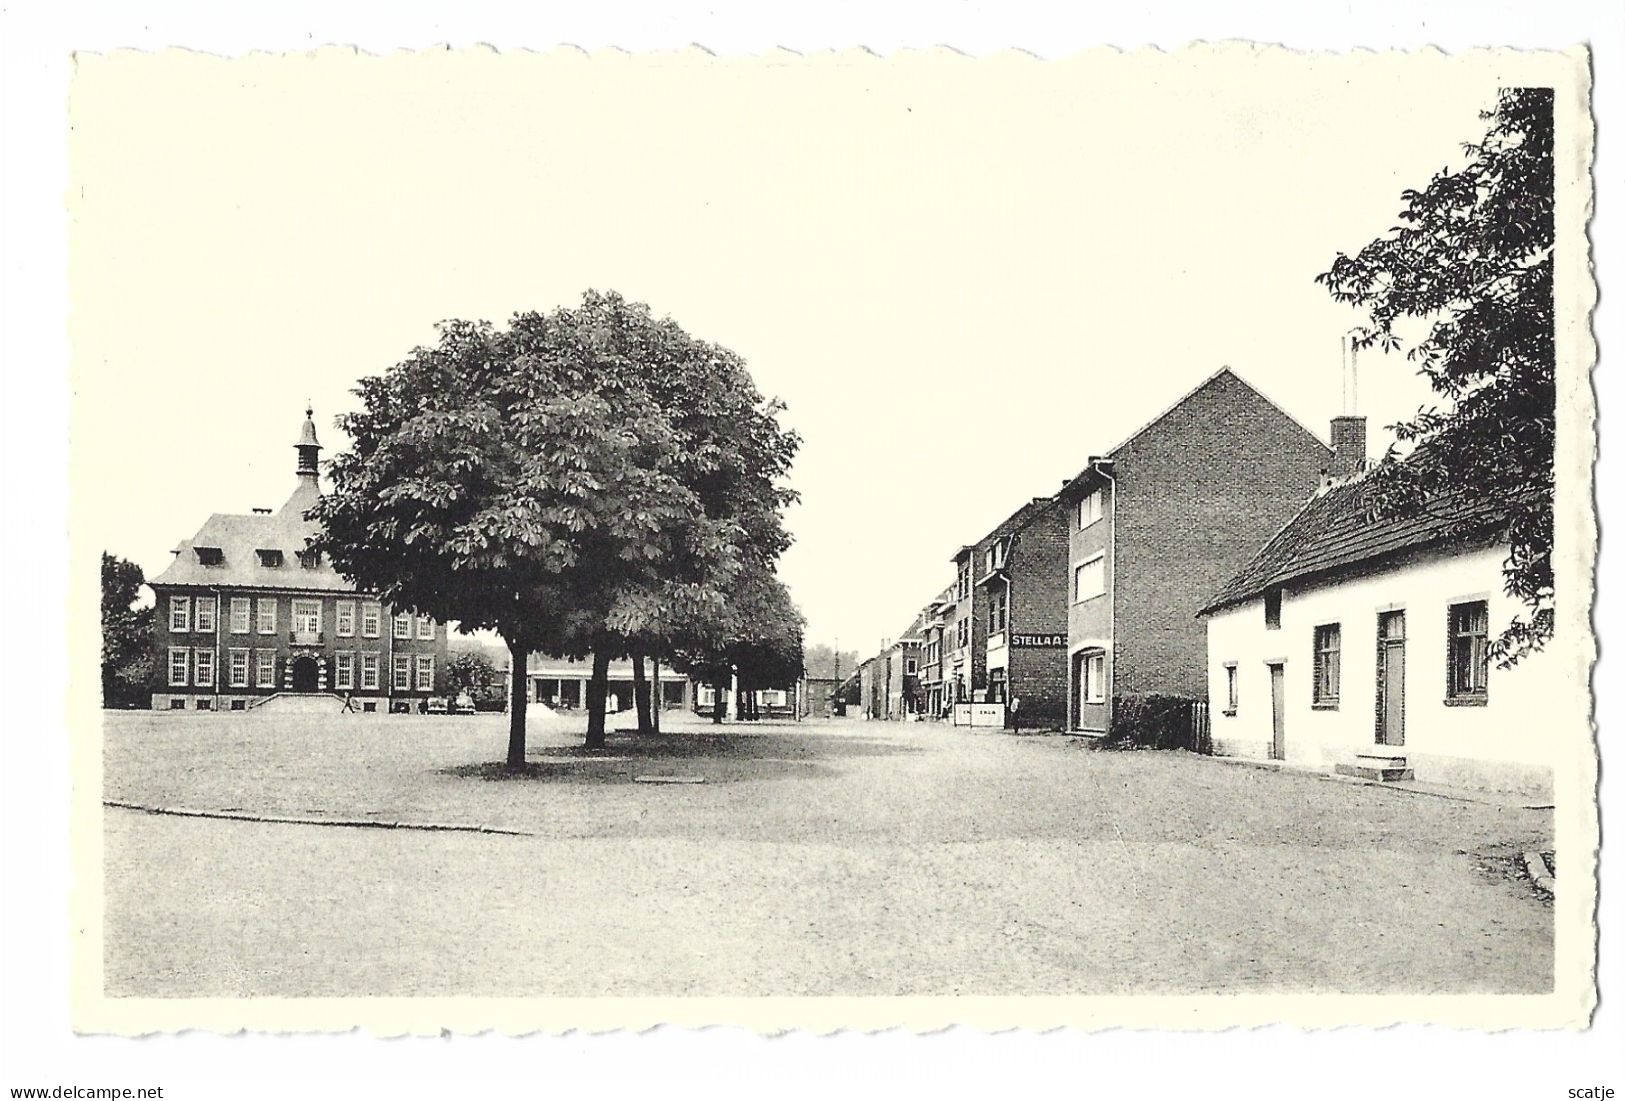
1335,531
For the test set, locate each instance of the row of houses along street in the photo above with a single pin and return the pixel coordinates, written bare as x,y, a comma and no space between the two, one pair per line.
1214,582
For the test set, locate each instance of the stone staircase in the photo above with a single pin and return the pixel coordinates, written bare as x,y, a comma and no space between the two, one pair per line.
1378,764
300,703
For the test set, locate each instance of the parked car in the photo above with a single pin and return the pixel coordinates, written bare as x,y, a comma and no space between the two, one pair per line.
437,706
464,705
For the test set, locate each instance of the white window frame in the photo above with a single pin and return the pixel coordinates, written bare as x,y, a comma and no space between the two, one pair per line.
203,667
425,628
403,625
344,619
423,672
233,680
370,671
306,608
185,656
180,615
344,670
400,673
1091,508
1078,595
1094,677
199,606
242,612
265,624
372,612
264,670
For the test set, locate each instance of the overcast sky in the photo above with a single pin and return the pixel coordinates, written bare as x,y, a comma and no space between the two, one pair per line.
963,277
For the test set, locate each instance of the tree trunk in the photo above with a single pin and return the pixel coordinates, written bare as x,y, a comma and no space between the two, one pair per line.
718,687
659,697
518,660
640,694
597,695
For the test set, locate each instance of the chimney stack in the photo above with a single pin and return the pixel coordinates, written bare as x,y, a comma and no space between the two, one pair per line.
1348,447
1348,429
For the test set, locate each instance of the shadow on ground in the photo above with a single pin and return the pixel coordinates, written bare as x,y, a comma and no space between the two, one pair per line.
719,757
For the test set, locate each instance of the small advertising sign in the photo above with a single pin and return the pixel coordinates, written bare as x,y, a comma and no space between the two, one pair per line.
979,714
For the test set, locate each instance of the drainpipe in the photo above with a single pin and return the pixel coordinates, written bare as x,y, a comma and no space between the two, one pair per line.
1111,567
216,590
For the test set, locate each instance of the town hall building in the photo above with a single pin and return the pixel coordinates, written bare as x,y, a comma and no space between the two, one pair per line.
246,612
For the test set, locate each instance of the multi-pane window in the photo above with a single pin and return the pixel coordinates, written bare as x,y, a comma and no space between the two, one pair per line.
1230,688
203,668
402,673
1091,508
425,672
962,588
179,657
265,610
403,625
998,612
344,619
344,669
240,607
1469,651
180,613
203,614
369,671
237,668
371,616
425,627
1094,678
962,632
1089,579
307,617
265,668
1328,663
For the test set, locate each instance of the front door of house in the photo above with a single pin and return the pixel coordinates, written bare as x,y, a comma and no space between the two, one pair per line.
1391,678
1277,712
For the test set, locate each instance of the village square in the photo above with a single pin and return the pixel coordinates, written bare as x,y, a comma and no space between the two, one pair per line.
533,680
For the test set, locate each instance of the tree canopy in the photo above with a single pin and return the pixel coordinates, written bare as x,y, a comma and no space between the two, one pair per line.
590,479
1471,264
127,659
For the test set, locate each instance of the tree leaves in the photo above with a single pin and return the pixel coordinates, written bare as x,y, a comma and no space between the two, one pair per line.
1472,258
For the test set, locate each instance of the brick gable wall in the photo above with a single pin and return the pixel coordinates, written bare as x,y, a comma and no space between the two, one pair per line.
1199,493
1037,565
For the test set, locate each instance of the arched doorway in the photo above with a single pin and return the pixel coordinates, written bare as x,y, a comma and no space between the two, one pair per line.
305,673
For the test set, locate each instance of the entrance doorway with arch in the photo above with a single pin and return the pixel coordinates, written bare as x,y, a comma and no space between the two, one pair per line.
305,674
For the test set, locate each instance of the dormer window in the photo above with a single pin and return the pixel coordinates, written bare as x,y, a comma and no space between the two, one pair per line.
270,558
310,559
210,556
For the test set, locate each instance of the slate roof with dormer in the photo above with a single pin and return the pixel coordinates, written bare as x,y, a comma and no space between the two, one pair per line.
1334,532
241,537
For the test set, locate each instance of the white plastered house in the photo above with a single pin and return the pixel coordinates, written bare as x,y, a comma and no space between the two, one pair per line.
1360,646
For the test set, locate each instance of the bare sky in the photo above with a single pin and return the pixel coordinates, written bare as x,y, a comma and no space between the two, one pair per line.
964,277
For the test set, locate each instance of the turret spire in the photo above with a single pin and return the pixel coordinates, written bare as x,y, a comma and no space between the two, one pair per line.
308,447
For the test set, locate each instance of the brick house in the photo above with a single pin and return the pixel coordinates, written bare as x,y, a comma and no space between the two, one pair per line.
1158,524
937,627
245,612
1021,628
891,679
1361,646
